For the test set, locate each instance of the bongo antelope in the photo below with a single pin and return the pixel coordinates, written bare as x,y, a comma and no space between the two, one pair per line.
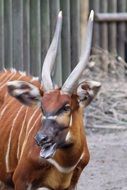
42,138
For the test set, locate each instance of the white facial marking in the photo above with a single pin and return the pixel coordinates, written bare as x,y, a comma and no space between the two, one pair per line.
68,137
70,124
61,168
50,117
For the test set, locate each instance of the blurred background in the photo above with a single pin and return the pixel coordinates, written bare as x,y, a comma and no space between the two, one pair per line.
27,26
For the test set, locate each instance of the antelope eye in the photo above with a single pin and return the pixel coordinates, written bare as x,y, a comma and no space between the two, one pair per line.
67,108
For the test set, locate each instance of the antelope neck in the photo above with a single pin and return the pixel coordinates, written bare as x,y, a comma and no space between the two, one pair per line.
64,170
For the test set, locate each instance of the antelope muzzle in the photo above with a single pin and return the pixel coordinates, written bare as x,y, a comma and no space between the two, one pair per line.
51,137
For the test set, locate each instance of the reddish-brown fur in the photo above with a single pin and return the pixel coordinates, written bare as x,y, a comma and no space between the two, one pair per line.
26,167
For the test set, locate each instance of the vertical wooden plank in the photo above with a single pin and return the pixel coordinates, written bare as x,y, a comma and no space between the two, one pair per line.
125,56
54,9
8,34
26,36
95,5
45,28
121,30
17,19
1,34
112,7
65,39
84,7
35,38
75,31
104,26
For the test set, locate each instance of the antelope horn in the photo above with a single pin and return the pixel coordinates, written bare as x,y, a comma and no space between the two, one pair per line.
50,56
72,81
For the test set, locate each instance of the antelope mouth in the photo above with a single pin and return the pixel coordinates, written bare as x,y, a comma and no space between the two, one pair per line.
49,145
48,150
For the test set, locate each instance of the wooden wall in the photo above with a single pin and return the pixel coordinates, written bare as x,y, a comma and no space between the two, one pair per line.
26,29
110,31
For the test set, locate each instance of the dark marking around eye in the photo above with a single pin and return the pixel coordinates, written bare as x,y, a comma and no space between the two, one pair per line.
43,110
65,108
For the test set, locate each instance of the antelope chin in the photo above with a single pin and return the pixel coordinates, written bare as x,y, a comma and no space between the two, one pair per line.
48,151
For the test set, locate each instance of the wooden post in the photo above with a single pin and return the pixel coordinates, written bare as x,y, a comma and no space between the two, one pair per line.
26,36
121,29
96,31
104,27
17,20
75,31
54,9
8,34
45,29
35,38
1,34
112,28
84,7
65,39
111,17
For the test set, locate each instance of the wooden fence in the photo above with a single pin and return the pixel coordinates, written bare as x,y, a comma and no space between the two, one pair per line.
110,31
26,29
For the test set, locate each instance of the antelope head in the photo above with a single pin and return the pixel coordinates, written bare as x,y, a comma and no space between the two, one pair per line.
62,108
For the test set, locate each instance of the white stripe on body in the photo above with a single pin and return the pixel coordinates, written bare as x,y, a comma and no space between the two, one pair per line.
27,135
5,108
29,122
6,94
20,134
9,141
4,82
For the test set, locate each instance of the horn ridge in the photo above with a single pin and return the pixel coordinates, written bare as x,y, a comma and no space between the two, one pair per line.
72,81
51,55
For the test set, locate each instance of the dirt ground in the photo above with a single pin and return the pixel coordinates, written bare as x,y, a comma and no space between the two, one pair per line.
107,125
107,169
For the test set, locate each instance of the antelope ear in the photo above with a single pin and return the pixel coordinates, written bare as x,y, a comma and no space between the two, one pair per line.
87,90
25,92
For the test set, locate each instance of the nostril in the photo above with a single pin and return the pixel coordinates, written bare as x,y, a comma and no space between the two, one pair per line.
40,138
